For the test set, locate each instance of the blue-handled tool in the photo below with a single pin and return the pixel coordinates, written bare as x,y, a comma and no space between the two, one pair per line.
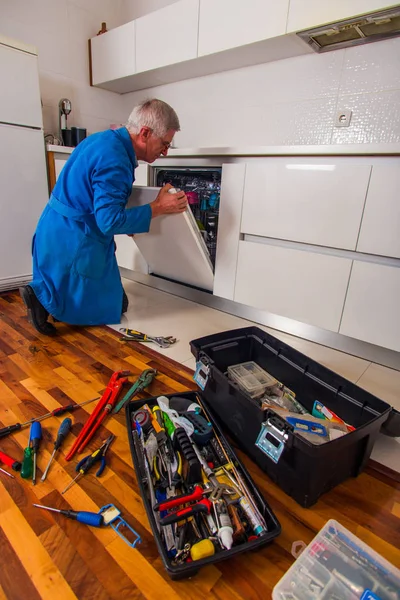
88,518
35,436
63,431
87,463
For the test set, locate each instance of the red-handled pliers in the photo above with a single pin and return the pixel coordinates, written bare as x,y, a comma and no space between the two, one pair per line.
103,408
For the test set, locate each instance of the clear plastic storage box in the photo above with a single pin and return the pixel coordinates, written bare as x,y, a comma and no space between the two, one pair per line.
251,378
337,565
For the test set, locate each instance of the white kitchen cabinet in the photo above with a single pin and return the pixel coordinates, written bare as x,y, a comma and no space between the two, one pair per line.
380,229
167,36
20,95
304,286
113,54
314,201
230,212
311,13
225,24
371,311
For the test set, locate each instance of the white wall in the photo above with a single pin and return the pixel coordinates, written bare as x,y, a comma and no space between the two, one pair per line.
60,29
133,9
291,101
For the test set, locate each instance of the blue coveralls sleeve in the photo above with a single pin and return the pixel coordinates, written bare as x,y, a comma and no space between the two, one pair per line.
112,186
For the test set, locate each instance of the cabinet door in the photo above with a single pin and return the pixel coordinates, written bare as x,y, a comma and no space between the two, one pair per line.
167,36
310,13
227,24
371,312
20,95
310,201
128,254
304,286
380,228
113,54
24,194
230,210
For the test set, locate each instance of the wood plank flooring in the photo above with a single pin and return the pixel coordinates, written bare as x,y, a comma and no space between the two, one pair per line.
48,556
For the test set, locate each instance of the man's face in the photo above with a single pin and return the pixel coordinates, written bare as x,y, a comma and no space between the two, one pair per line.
154,147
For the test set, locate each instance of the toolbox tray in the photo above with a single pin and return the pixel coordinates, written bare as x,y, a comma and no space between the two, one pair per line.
192,568
304,471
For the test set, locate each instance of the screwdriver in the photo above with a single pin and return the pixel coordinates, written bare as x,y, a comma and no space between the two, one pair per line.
7,473
63,431
88,518
11,462
34,440
54,413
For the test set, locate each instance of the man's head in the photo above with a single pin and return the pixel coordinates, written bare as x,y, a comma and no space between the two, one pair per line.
152,126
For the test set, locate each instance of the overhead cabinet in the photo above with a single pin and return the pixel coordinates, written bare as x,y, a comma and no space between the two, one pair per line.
226,24
167,36
192,38
113,54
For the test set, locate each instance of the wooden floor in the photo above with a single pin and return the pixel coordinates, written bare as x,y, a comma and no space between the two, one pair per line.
47,556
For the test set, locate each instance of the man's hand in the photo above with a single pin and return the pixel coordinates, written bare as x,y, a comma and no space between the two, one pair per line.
167,204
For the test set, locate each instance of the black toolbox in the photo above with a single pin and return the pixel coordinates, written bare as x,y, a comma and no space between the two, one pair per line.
190,569
303,470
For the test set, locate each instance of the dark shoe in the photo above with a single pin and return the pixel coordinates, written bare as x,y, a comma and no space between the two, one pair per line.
125,302
37,314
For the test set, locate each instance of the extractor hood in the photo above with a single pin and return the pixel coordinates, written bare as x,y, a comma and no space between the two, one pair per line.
373,27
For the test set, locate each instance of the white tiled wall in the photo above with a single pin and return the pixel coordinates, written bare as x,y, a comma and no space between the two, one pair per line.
287,102
291,101
60,29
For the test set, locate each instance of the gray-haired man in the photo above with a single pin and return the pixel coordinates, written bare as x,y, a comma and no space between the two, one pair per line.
75,273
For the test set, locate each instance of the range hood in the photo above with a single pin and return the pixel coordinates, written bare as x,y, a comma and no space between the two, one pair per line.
373,27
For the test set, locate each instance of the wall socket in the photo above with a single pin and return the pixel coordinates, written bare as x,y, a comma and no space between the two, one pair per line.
343,118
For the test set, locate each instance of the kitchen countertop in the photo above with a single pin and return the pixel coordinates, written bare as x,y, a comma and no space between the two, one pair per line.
61,149
331,150
328,150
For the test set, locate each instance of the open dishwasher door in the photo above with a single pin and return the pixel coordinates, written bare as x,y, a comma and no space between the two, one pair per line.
174,247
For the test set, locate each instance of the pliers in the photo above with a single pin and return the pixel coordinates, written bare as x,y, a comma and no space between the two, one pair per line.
131,335
98,455
87,463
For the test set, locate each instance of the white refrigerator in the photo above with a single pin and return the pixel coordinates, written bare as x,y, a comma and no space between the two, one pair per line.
23,175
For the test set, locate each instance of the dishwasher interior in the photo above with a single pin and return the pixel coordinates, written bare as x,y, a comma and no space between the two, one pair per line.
203,188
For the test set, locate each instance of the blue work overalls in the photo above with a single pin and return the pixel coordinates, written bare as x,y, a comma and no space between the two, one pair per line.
75,272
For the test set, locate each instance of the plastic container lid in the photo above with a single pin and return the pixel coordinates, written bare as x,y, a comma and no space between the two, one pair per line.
251,378
339,566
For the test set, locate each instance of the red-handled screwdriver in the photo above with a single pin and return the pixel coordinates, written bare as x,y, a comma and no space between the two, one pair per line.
54,413
10,462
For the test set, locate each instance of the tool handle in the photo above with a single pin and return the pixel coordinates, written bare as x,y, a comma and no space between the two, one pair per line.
201,507
197,494
87,463
35,435
10,429
9,461
88,518
27,464
102,466
63,431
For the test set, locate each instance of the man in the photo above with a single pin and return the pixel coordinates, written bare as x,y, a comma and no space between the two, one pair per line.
75,272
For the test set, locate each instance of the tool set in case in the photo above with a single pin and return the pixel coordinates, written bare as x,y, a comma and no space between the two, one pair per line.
201,503
285,443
